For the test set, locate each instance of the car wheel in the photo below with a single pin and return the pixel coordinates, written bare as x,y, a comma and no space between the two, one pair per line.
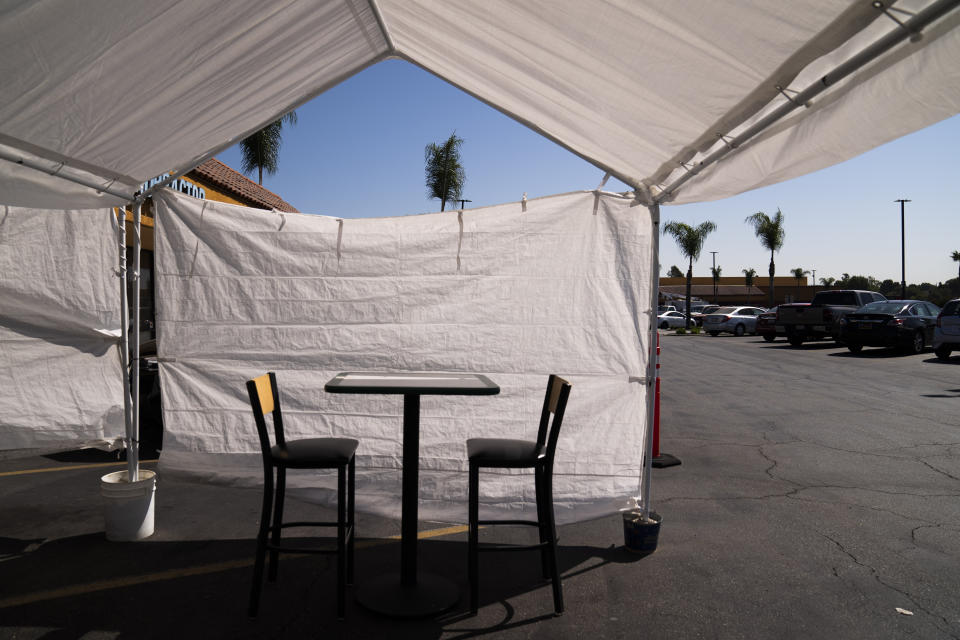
916,344
854,348
664,325
943,353
769,338
714,333
795,341
739,330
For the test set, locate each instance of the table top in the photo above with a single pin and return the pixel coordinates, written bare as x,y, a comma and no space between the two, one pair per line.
458,384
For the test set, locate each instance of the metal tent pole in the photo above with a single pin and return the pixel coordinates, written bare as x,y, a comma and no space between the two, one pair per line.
652,358
133,449
125,335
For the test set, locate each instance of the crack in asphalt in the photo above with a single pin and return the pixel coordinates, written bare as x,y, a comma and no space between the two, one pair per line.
904,593
941,471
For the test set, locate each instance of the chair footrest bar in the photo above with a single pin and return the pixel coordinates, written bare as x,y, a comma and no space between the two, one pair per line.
512,547
531,523
287,525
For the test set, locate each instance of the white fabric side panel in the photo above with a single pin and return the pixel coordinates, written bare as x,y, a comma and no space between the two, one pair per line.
554,290
915,86
61,381
96,85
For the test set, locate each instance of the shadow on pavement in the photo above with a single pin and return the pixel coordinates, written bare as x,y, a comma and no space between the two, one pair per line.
71,587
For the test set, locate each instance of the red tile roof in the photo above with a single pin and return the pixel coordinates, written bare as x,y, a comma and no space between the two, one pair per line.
239,186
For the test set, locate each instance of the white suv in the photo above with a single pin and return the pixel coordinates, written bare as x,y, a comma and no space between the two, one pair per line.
946,335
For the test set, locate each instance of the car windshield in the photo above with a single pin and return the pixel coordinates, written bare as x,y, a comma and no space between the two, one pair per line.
893,308
952,308
726,310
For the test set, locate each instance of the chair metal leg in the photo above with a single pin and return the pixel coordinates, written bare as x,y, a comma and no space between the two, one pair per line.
351,482
542,521
261,544
277,522
552,533
341,542
473,541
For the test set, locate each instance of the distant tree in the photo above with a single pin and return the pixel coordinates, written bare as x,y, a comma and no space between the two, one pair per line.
690,240
260,151
675,272
748,276
715,272
444,173
955,256
771,234
799,273
827,282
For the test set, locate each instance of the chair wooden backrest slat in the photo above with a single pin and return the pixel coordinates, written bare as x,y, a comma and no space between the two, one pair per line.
264,392
554,404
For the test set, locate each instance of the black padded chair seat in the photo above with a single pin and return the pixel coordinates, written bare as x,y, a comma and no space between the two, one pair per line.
489,452
311,452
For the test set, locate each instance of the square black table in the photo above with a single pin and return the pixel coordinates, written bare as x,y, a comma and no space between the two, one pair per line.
410,594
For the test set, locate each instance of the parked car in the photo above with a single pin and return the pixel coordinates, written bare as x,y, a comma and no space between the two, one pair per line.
671,320
907,324
767,325
735,320
698,311
946,333
821,318
666,307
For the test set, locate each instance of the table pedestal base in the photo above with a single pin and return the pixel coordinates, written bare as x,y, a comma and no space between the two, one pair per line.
431,595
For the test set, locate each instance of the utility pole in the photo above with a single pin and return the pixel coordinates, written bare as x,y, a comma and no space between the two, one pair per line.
463,202
903,253
814,272
713,272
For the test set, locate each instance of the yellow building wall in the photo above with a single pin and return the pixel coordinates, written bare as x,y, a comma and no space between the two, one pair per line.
146,214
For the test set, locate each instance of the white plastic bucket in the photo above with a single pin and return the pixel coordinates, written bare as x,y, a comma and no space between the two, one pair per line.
128,506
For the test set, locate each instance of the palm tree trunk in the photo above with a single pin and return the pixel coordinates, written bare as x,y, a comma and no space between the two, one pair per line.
686,311
772,271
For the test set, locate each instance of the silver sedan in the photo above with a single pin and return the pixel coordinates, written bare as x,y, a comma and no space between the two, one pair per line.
735,320
672,320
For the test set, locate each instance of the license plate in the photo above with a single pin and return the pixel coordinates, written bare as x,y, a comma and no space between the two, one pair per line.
866,327
800,326
819,328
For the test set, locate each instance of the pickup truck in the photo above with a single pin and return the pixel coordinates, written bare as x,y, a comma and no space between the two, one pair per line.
821,318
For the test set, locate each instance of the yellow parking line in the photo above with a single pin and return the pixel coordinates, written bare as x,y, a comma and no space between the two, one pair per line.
70,468
173,574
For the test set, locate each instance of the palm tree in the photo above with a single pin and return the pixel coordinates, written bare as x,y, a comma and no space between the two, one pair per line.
444,173
748,276
715,272
771,233
261,150
827,282
690,240
956,258
799,273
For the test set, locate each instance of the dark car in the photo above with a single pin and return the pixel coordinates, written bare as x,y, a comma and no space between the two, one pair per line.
906,324
767,325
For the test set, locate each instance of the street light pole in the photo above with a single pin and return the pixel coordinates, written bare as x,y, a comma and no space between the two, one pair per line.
713,273
903,253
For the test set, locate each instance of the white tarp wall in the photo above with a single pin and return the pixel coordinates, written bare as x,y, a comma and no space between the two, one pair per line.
60,368
518,295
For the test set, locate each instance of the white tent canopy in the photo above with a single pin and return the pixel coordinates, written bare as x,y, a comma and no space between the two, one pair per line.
646,90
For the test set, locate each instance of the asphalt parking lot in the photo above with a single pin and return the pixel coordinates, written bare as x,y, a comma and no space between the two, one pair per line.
819,493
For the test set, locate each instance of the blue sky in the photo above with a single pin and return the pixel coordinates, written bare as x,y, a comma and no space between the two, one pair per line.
357,151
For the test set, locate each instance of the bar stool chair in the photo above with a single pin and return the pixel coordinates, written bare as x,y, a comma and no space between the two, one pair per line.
307,453
521,454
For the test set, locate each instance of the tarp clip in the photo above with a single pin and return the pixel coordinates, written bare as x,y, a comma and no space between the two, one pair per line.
339,238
